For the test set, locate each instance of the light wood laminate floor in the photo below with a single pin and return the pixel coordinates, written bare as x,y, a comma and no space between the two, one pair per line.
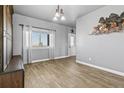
66,73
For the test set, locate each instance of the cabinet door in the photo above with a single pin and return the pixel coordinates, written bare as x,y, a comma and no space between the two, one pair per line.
1,37
8,36
4,36
9,21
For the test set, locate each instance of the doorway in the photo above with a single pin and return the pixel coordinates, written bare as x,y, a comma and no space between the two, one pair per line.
72,44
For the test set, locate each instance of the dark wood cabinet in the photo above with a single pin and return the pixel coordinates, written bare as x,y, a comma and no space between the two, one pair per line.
13,76
11,68
6,12
1,38
7,35
12,80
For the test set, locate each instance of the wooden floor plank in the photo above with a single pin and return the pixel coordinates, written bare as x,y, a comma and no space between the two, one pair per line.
66,73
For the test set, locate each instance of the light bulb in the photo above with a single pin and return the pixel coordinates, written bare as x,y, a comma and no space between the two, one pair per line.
57,14
63,18
55,18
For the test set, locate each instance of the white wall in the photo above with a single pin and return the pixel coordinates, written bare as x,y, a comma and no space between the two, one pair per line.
61,36
105,50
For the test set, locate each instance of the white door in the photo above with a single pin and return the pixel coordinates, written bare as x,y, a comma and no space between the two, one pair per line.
72,44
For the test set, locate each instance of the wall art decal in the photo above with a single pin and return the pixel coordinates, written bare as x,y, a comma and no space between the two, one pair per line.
113,23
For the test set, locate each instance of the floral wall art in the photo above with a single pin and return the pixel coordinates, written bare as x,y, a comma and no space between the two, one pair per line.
113,23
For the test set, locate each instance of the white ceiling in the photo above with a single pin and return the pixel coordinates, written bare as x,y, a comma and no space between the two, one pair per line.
46,12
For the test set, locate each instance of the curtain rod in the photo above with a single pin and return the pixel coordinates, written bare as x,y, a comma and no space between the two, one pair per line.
37,27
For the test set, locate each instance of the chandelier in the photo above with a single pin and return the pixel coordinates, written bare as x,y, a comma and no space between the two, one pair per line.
59,14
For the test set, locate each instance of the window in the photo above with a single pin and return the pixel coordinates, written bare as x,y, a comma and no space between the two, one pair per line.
40,39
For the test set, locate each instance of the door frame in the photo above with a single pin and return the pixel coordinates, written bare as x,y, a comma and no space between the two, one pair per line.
69,47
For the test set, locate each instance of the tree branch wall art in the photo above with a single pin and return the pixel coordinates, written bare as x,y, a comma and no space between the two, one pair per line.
113,23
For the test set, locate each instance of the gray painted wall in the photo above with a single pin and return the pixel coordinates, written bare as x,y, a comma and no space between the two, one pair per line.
61,37
104,50
38,54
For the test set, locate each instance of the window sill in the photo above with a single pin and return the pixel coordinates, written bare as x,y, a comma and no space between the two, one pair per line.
40,47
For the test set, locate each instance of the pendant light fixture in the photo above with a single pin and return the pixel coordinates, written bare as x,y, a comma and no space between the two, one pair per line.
59,15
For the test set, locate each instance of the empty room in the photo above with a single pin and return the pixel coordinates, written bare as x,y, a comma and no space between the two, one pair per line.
61,46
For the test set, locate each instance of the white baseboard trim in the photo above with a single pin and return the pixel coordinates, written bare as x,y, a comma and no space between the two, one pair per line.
34,61
61,57
102,68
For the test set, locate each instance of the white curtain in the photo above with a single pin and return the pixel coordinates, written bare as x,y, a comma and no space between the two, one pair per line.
26,44
52,45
